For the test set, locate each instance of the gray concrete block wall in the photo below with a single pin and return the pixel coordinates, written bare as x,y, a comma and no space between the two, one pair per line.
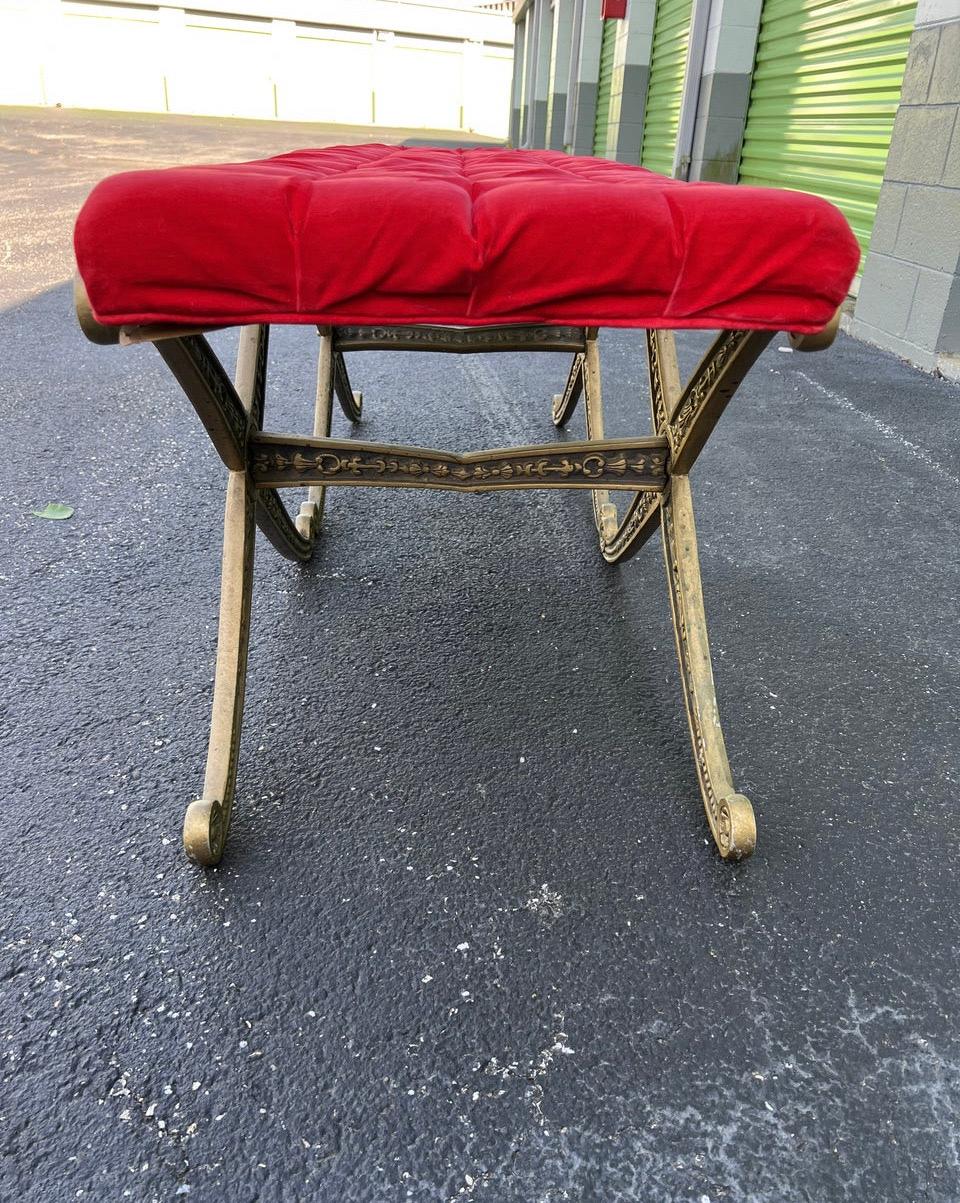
909,298
724,90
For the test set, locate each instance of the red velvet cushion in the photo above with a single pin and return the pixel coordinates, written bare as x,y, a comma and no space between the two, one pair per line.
384,234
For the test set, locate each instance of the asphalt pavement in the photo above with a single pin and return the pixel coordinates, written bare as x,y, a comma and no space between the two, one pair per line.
470,939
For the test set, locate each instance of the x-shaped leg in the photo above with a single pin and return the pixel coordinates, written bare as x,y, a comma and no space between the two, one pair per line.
685,416
207,820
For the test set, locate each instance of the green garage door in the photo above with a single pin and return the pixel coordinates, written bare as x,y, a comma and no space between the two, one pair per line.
826,85
601,125
668,61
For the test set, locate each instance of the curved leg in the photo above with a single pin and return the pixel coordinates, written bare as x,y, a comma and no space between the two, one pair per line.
604,511
251,384
350,402
730,814
280,529
311,510
566,402
207,821
619,539
636,527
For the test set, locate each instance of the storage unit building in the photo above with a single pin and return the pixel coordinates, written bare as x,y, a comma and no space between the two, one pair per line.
826,86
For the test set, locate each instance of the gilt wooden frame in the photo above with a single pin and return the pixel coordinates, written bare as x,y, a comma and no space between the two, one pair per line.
653,468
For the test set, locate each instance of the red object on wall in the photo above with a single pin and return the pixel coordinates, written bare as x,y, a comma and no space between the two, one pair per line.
614,8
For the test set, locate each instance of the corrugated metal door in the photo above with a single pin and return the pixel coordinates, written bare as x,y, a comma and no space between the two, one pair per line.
602,122
668,61
826,85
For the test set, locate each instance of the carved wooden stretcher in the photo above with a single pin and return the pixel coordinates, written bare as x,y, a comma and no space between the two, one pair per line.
652,469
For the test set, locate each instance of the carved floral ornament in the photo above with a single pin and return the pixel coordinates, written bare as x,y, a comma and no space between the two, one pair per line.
592,466
640,513
701,388
458,336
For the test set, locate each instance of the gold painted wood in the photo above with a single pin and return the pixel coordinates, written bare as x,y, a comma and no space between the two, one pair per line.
311,510
604,511
729,813
132,336
619,539
664,375
689,422
202,377
207,821
96,332
280,530
633,530
251,375
624,537
228,422
821,339
566,402
282,461
653,468
460,340
350,402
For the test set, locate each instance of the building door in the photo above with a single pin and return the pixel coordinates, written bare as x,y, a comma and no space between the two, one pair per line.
668,62
826,85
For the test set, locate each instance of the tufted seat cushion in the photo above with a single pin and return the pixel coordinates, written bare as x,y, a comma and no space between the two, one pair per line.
383,234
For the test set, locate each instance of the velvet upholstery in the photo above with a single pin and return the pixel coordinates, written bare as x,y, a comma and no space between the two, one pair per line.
391,235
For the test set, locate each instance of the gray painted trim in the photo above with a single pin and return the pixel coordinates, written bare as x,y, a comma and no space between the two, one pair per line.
586,118
630,81
557,120
690,98
723,97
576,33
587,73
718,136
536,131
538,125
563,15
633,101
516,87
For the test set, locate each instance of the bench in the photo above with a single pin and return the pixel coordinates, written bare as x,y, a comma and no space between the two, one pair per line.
463,251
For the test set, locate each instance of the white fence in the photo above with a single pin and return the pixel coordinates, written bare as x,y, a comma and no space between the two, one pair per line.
364,62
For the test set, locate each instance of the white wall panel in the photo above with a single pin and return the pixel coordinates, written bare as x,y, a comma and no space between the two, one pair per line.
332,77
419,84
22,31
222,70
281,63
107,62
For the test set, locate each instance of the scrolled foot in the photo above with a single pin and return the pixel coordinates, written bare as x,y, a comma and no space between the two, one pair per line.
820,340
608,522
308,519
358,403
204,831
736,832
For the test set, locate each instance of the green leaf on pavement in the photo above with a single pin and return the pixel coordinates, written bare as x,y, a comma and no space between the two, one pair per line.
55,510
